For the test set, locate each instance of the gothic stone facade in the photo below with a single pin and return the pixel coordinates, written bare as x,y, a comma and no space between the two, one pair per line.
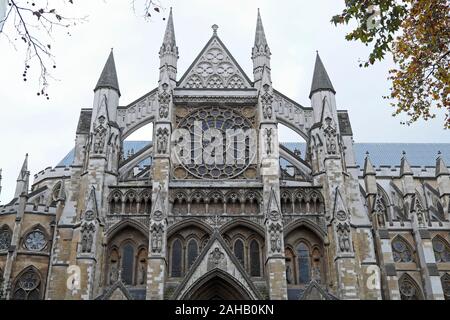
104,226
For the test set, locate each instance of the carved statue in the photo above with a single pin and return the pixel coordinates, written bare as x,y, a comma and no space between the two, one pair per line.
87,238
113,272
289,277
216,256
266,101
269,141
99,139
142,276
162,140
275,240
157,238
344,238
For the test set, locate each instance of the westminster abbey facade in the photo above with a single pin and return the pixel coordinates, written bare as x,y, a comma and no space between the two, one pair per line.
214,206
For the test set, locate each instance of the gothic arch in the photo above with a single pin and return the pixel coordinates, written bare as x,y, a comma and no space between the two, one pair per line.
239,222
403,253
117,228
293,127
138,125
28,285
384,194
185,224
5,237
305,255
441,249
409,289
217,284
125,243
304,222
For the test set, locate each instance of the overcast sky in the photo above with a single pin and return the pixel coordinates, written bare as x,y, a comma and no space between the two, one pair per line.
294,29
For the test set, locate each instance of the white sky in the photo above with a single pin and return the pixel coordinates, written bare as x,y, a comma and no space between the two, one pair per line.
294,29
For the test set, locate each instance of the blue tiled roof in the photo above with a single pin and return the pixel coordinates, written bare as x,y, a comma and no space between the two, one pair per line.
381,154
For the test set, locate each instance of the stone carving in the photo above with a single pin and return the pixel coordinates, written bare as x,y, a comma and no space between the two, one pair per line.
266,101
341,215
316,274
113,272
87,237
275,237
142,275
269,141
162,137
419,212
289,276
215,69
380,211
330,137
164,98
157,231
216,256
99,137
343,232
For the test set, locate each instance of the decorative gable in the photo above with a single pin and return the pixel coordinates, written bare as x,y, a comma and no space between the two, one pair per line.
215,68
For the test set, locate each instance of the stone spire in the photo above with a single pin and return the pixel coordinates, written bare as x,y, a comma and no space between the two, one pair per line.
405,168
441,168
108,78
169,44
261,51
368,167
23,179
369,176
321,81
260,36
168,55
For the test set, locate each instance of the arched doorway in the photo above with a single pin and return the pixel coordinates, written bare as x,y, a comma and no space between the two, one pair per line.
216,285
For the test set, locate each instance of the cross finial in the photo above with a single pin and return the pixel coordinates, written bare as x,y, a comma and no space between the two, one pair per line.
215,27
403,153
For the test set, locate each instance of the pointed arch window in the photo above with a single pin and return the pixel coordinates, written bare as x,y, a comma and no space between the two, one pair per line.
28,286
5,238
409,289
176,259
304,273
192,252
401,251
441,250
255,259
239,251
128,264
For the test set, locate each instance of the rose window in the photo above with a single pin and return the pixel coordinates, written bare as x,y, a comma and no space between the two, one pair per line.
35,241
235,151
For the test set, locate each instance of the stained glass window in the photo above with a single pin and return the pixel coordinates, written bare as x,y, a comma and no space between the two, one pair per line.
441,250
35,241
192,252
128,264
5,239
304,274
176,259
27,287
401,251
255,260
408,289
239,251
